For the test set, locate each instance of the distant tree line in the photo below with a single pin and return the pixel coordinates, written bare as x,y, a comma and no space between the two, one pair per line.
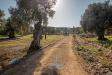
59,30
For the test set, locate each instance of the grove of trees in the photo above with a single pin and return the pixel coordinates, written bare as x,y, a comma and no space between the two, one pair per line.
97,18
10,27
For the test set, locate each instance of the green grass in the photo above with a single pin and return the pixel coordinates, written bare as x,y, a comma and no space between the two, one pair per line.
26,40
3,36
51,38
106,44
92,39
18,48
18,42
95,39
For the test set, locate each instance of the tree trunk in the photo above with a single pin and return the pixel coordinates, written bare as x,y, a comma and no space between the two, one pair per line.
22,33
100,33
45,36
11,34
45,33
101,37
35,44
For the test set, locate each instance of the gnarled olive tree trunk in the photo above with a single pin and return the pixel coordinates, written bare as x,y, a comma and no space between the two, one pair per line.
35,44
100,33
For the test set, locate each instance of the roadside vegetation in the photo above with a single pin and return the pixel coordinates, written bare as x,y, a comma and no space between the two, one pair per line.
94,42
97,19
97,57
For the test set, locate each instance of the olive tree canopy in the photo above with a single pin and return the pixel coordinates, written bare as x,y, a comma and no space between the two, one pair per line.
34,12
97,18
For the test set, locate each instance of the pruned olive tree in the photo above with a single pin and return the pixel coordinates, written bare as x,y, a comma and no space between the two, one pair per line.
34,12
97,18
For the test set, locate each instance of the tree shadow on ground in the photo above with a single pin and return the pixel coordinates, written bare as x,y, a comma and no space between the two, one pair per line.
7,39
48,71
27,65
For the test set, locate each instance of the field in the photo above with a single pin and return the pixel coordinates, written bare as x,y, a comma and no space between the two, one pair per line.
11,50
96,54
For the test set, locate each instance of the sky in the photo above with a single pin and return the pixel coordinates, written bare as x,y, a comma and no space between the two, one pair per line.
68,12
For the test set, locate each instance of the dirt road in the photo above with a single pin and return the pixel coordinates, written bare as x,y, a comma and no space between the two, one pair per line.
58,59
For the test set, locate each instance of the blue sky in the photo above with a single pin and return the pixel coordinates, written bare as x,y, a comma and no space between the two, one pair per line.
5,5
68,12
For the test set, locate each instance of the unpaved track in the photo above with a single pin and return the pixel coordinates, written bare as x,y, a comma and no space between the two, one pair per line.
60,54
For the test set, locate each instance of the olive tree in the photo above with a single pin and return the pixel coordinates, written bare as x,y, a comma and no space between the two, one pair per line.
97,18
34,12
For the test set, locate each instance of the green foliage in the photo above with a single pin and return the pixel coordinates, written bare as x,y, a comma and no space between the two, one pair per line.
77,30
107,43
80,48
10,28
33,11
3,36
22,27
97,18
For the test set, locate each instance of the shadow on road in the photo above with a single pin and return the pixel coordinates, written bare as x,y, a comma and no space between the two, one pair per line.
27,66
7,39
47,71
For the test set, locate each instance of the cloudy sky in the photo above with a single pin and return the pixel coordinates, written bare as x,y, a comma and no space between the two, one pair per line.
68,12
